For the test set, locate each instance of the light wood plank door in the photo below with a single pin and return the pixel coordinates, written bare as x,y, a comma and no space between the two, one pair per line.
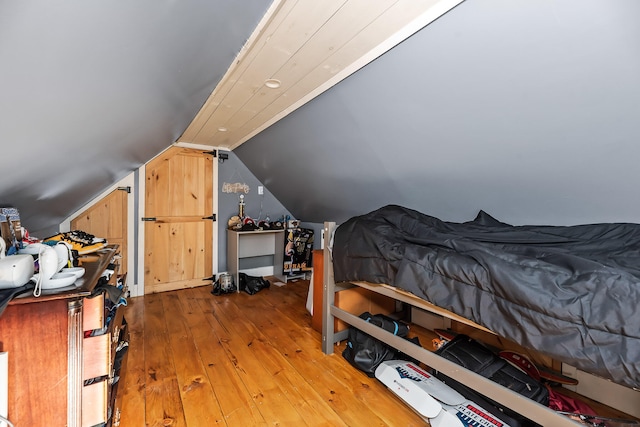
178,242
107,218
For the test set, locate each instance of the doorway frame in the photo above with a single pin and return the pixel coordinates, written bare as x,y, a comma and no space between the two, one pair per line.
135,226
128,181
141,212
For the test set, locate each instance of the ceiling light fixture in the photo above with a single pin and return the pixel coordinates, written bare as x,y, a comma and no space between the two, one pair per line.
272,83
222,129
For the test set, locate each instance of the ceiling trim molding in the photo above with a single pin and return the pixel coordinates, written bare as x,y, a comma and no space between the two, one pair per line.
193,129
199,146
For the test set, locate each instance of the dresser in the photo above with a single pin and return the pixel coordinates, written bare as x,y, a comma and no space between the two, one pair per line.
64,349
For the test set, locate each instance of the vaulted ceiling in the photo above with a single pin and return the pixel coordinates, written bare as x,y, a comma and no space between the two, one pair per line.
92,91
525,109
299,50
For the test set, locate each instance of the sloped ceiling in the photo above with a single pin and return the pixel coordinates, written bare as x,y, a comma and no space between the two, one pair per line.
93,89
526,109
299,50
97,90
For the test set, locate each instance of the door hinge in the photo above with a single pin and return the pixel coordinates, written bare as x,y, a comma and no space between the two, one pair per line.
127,189
209,278
214,153
149,218
212,217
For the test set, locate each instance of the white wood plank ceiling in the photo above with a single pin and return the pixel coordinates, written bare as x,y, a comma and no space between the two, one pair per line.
303,47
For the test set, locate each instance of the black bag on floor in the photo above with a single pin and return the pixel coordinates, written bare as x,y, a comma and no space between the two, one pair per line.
476,357
252,284
366,352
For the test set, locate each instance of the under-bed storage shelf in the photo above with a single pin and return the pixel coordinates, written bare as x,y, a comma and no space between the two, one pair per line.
526,407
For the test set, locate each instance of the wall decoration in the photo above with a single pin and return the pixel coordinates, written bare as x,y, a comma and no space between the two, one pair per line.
236,187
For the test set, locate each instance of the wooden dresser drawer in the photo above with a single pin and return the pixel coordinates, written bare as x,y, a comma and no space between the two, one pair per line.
93,313
97,356
94,403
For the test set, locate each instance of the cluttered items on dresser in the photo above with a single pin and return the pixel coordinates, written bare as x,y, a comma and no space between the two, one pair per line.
30,264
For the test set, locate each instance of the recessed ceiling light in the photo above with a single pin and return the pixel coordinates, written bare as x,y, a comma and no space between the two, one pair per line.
272,83
222,129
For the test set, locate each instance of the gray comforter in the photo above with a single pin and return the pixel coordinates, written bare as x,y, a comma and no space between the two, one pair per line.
569,292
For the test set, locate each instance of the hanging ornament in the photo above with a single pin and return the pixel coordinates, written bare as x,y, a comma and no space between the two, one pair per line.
237,187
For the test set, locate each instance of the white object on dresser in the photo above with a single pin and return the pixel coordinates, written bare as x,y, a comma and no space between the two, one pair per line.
15,270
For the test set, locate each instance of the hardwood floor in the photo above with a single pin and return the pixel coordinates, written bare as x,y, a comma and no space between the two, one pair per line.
201,360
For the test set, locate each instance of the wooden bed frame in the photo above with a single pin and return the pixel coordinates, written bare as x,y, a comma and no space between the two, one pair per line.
520,404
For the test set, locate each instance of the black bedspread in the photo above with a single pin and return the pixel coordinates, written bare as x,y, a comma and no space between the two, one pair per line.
569,292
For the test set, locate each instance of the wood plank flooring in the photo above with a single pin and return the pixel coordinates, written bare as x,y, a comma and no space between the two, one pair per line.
199,360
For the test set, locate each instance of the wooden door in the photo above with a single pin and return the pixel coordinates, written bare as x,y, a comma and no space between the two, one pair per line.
178,235
107,218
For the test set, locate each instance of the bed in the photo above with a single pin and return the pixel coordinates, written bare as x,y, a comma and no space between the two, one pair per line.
569,292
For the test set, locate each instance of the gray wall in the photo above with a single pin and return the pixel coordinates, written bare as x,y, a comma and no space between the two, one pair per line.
91,90
256,207
525,109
